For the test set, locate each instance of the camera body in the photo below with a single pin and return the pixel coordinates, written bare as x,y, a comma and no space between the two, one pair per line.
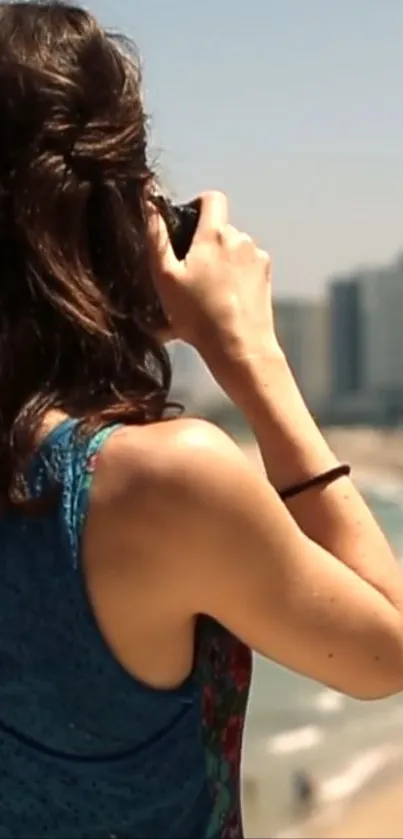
181,221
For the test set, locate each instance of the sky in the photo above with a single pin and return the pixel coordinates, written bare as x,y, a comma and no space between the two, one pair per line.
293,107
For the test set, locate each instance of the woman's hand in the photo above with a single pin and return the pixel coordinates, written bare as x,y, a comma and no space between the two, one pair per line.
219,298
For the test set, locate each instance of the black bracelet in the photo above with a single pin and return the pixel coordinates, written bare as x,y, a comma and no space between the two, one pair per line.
323,479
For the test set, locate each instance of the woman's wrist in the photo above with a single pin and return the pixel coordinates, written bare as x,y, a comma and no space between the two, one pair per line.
292,445
262,381
251,374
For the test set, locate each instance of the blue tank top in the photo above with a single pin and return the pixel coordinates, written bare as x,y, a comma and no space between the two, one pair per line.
86,750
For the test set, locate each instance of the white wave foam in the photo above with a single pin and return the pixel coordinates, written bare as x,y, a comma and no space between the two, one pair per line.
298,739
338,789
357,773
329,701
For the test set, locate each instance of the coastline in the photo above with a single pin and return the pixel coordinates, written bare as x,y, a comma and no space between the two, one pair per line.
375,808
369,450
376,456
374,814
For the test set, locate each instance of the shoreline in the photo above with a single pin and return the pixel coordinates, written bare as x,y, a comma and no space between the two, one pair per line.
374,813
375,810
369,450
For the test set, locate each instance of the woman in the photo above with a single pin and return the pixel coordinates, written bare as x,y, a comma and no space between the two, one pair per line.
142,559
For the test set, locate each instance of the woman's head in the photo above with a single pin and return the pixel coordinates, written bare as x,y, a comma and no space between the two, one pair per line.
78,312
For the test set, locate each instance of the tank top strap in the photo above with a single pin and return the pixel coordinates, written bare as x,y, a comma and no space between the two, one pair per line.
73,459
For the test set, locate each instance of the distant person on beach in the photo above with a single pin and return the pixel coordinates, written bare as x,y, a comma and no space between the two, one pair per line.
142,558
303,787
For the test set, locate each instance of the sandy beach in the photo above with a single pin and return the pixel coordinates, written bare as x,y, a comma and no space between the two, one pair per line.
378,811
374,450
376,814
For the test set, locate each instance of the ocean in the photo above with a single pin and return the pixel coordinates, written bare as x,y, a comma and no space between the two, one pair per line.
295,724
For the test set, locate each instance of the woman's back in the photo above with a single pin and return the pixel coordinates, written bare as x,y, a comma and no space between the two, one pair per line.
87,750
121,706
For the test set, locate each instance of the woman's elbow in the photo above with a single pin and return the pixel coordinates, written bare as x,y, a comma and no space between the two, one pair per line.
382,675
376,690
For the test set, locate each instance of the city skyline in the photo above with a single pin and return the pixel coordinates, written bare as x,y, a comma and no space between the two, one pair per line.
344,346
293,109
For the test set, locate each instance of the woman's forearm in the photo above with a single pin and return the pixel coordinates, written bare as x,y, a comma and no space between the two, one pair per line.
293,449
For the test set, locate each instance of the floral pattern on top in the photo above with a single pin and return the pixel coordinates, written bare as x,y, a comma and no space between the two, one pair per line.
224,669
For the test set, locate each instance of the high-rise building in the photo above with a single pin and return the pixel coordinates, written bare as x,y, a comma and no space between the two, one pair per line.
382,335
302,330
345,336
192,382
366,341
346,350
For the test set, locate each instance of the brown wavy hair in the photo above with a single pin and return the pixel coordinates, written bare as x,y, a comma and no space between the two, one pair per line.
78,311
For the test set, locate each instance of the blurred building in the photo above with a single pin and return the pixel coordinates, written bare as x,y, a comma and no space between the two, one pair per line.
345,336
346,350
192,383
382,335
366,343
302,329
382,305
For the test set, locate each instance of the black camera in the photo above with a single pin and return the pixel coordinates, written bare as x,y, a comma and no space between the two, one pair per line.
181,221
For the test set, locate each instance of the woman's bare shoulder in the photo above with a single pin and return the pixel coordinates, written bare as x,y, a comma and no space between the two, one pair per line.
154,487
151,482
163,453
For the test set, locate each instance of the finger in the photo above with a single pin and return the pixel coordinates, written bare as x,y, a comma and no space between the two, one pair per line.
233,235
213,213
264,257
161,251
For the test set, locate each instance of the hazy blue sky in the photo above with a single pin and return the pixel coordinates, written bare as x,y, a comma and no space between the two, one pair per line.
293,107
